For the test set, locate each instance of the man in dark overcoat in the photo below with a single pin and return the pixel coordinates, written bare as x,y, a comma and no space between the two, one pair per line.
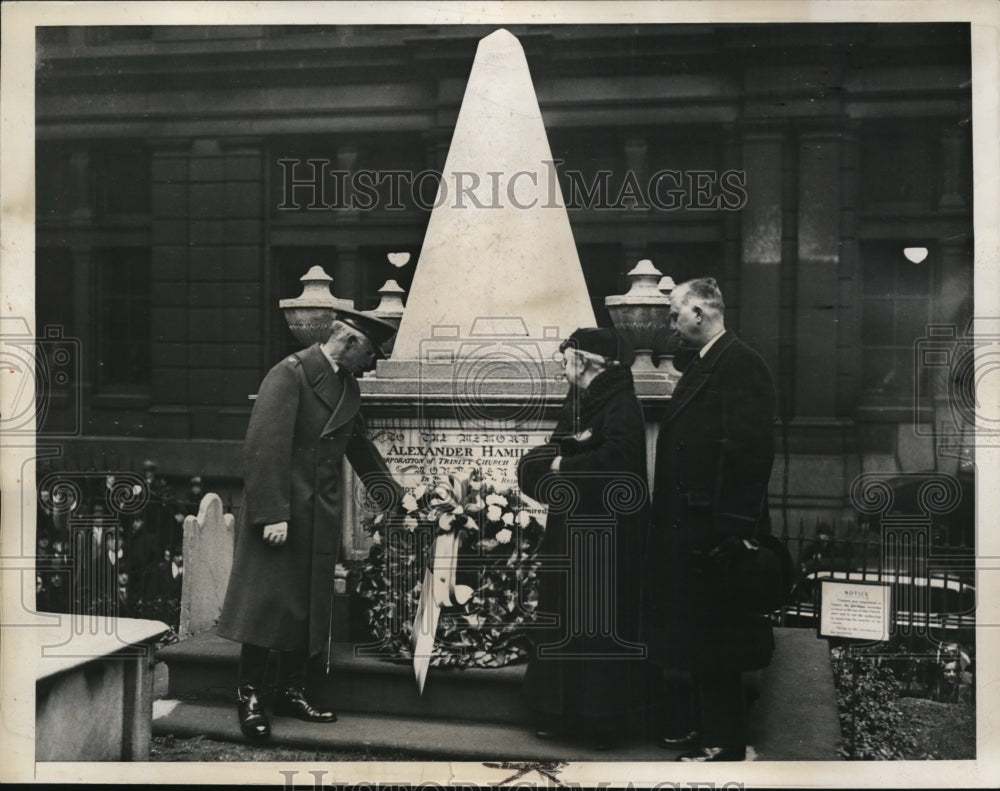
304,422
592,475
714,455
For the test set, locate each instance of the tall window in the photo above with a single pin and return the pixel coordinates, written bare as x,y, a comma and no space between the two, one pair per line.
896,309
123,288
125,187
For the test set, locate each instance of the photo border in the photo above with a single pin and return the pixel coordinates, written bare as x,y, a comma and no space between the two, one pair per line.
17,58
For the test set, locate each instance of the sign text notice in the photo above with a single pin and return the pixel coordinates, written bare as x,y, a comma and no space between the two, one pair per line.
857,610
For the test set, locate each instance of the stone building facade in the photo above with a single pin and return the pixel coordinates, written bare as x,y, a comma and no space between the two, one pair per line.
188,176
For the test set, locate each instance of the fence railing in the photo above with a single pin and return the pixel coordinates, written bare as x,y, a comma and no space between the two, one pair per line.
109,538
931,575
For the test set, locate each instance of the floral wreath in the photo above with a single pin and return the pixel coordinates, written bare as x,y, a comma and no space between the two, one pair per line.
500,534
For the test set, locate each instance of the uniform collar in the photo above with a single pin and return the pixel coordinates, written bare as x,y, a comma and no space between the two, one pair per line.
340,393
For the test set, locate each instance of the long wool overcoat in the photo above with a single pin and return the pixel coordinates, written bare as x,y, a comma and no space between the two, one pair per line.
305,420
590,576
714,455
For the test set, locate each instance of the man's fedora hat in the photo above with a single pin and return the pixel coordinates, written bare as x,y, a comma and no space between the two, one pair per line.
377,331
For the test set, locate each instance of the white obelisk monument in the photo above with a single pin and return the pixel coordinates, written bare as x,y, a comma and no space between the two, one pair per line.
498,261
473,379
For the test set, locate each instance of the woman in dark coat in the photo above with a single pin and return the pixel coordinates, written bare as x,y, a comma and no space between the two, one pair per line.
586,672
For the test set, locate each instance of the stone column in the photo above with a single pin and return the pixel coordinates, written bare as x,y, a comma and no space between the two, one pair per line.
816,292
435,151
761,234
345,274
637,164
952,151
169,256
849,274
636,155
83,324
953,306
81,212
347,162
728,267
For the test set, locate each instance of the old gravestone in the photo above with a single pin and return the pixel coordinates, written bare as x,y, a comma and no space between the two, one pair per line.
208,559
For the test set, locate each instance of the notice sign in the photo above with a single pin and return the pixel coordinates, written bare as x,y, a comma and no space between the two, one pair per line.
857,610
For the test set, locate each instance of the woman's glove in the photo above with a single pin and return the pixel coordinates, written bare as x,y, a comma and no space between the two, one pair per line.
575,443
276,534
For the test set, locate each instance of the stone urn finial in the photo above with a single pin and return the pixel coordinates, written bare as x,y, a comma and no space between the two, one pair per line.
643,315
310,315
390,309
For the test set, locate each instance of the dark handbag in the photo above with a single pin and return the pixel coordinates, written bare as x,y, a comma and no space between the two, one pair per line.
758,579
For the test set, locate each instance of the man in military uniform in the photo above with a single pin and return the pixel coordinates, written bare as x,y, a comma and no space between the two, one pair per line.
305,420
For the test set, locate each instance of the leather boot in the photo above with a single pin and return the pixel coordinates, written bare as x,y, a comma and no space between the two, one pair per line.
291,702
253,721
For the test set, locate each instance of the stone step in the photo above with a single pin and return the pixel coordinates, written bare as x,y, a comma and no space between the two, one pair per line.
795,716
205,666
418,737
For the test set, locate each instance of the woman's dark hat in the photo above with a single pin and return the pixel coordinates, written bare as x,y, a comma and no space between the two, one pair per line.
376,330
602,341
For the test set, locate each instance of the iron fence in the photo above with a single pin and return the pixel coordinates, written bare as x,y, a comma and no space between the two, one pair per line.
930,573
102,553
109,537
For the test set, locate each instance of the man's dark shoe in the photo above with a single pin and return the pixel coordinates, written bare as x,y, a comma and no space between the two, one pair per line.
253,721
709,754
292,702
681,742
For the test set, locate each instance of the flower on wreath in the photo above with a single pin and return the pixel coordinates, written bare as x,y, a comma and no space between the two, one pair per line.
447,507
503,535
